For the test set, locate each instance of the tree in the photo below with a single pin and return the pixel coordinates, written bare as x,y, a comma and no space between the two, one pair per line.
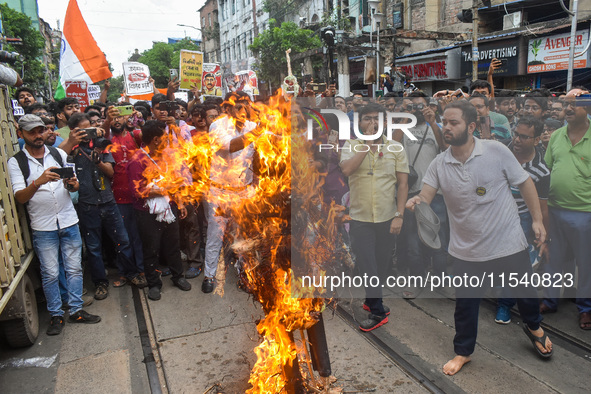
18,25
269,47
163,56
116,89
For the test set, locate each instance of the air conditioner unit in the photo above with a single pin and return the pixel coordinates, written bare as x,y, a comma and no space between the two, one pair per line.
512,21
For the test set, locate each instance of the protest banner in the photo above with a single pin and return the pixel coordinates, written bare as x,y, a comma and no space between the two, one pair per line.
79,91
137,78
212,80
246,81
190,69
182,95
94,93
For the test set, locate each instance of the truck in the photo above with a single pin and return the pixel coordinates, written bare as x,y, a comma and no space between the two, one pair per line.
19,273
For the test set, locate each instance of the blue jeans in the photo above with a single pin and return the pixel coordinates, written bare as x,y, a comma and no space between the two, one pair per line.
416,256
570,231
130,223
48,245
92,219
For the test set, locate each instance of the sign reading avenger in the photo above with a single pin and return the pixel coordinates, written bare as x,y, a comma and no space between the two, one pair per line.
507,51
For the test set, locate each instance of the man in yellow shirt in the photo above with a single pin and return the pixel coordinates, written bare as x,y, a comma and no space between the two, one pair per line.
374,168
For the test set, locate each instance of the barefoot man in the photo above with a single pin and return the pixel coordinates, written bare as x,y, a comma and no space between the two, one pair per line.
474,176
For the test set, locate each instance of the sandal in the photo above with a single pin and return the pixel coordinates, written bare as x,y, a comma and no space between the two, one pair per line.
585,321
121,282
541,340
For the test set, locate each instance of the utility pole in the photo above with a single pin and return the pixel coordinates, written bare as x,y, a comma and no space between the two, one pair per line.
573,35
475,40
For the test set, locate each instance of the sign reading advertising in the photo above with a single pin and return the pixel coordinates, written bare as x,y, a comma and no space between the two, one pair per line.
137,79
78,90
212,80
551,53
190,69
506,51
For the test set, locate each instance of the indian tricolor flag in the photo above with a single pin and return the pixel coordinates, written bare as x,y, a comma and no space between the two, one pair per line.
81,59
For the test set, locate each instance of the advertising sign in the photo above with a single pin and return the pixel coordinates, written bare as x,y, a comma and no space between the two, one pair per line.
78,90
507,51
211,81
190,69
551,53
137,79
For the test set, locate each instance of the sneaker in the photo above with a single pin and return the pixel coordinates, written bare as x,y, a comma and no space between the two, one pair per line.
503,315
154,293
193,272
386,309
56,324
373,322
182,284
139,281
101,291
207,285
84,317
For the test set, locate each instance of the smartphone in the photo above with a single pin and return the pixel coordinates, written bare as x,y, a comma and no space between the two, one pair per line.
318,87
174,73
125,110
485,127
503,62
64,173
90,132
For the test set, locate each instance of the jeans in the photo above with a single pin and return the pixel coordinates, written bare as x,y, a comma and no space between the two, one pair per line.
468,299
49,245
129,221
371,243
159,237
92,219
413,254
570,231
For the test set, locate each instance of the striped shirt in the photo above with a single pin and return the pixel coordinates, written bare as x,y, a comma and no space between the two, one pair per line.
540,174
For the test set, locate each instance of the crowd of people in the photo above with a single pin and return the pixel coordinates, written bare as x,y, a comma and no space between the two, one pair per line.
508,177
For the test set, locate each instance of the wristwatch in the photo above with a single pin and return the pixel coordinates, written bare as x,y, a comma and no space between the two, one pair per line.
398,215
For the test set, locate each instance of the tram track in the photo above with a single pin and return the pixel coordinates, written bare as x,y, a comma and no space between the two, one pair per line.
421,376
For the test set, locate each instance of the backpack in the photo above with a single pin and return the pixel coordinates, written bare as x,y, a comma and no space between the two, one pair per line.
23,161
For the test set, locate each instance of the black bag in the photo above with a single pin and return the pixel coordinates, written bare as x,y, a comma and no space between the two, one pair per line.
413,176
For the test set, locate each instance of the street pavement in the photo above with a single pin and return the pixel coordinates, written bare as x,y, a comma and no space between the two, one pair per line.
204,343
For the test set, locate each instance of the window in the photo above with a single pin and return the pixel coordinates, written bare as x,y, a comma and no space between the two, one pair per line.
202,21
233,7
209,19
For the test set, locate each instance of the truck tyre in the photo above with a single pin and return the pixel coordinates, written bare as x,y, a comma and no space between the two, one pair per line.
23,330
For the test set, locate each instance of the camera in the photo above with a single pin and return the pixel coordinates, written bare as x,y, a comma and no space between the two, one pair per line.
169,106
92,139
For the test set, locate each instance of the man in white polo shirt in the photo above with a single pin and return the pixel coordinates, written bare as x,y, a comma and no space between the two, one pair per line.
53,219
474,176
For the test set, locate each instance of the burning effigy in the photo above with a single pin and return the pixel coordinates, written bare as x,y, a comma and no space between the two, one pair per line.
273,218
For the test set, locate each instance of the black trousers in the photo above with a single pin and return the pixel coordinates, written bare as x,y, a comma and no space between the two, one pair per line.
159,237
468,298
372,245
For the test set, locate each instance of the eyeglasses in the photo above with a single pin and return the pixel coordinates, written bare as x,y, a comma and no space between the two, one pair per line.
531,108
523,137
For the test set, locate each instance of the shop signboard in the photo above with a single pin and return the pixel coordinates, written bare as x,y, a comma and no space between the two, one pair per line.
551,53
441,66
507,51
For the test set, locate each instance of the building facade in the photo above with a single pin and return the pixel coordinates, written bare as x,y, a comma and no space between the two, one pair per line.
210,31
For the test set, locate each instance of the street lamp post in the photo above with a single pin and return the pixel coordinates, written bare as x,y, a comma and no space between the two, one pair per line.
373,7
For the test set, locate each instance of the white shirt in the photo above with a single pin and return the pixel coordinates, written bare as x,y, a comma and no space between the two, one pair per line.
51,205
232,170
483,216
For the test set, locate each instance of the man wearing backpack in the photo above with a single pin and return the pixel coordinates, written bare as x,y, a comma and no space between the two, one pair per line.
53,219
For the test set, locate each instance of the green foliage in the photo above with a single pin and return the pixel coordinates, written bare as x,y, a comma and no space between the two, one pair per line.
162,57
116,89
18,25
277,9
269,47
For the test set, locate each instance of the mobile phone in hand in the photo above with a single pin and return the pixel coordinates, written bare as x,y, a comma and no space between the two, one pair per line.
64,173
485,127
